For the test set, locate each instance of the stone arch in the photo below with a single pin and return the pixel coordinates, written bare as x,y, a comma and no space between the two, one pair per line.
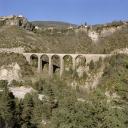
34,60
80,60
81,68
55,59
45,62
68,62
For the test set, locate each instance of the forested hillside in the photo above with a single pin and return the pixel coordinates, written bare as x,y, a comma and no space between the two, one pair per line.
106,106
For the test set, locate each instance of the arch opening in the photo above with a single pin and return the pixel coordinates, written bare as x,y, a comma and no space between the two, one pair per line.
81,68
56,64
80,61
68,64
34,60
44,62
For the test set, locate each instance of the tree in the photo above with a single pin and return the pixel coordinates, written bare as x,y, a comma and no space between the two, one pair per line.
27,112
37,111
51,99
39,85
7,108
3,83
19,109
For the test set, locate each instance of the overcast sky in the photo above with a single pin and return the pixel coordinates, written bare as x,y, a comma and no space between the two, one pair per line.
73,11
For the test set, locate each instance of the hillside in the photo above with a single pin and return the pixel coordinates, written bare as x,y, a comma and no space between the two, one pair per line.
69,42
116,40
75,39
62,106
55,24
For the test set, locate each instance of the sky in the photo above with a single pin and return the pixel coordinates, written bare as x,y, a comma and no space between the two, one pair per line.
72,11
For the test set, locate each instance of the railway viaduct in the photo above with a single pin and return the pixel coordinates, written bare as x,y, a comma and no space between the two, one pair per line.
88,58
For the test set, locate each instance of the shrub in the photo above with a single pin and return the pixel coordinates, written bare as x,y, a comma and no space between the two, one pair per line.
3,83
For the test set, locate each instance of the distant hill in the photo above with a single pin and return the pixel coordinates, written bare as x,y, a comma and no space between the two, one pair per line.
56,24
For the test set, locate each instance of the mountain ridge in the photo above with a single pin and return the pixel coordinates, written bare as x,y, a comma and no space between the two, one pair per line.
53,23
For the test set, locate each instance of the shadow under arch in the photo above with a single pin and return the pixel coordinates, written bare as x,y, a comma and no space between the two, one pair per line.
56,63
80,60
34,60
68,63
44,61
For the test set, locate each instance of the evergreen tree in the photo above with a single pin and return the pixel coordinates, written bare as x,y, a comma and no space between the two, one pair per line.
37,111
19,109
27,112
3,83
7,108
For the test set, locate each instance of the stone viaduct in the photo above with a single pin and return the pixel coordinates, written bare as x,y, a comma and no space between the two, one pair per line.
88,57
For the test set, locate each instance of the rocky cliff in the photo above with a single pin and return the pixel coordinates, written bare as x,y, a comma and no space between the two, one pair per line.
96,32
19,21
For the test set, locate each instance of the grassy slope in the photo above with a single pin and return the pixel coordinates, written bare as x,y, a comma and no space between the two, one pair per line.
45,41
11,36
117,40
61,41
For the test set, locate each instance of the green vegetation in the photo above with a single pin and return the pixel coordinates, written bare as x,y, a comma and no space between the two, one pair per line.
7,109
3,83
104,107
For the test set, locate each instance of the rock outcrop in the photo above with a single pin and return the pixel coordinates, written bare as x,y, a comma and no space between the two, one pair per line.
10,72
19,21
96,32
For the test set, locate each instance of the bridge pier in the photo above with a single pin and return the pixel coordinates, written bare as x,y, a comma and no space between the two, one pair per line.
61,66
74,62
50,66
39,69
